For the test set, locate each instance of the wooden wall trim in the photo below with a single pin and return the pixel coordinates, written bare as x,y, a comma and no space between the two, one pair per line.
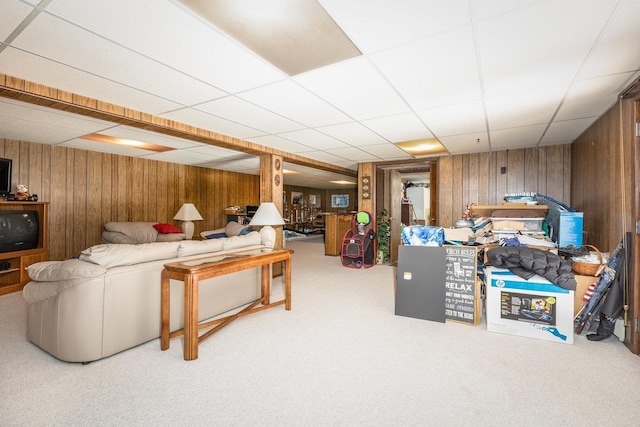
34,93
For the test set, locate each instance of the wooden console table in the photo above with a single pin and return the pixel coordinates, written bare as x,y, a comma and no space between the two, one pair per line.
193,271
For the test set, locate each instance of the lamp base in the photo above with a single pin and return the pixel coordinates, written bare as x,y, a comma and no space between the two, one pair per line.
187,229
268,236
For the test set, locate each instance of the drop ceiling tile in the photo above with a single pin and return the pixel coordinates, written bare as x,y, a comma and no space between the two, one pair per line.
517,49
291,100
374,26
436,71
279,143
455,119
172,35
488,9
617,48
177,156
85,51
314,139
386,151
476,142
566,131
13,13
203,120
539,106
399,128
243,112
219,153
353,134
590,97
326,157
34,68
521,137
355,154
356,88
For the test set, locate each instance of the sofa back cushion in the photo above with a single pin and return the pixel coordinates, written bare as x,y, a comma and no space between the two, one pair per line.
53,271
235,242
142,232
112,255
196,247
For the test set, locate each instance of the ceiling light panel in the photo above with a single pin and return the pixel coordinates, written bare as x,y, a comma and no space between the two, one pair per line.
401,127
422,147
374,26
171,35
436,71
291,100
104,147
34,68
294,36
515,47
456,119
353,134
356,88
617,48
135,134
204,120
241,111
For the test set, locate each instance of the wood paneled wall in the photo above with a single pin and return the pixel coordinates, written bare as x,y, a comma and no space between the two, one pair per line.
604,175
477,178
88,189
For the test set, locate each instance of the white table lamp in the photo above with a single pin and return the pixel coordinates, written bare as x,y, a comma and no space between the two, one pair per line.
188,213
266,216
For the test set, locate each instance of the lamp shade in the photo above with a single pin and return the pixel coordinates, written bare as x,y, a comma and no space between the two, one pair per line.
267,214
188,212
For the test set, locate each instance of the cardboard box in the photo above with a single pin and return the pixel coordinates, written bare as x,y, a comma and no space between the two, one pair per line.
520,224
570,229
457,234
533,308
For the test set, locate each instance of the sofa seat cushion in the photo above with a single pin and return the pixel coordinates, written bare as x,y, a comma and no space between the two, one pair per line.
171,237
112,255
141,232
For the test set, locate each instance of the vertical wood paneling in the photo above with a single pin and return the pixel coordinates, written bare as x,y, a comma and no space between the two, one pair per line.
476,178
87,189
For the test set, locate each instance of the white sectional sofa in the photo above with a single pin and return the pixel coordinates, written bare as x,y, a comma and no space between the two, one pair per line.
108,300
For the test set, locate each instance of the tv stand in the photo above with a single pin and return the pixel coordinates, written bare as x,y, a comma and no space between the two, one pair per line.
13,278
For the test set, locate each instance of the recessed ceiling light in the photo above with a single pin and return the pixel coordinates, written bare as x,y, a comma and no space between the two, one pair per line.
96,137
294,36
288,172
343,182
422,147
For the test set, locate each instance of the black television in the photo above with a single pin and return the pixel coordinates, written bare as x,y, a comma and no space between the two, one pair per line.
19,230
5,177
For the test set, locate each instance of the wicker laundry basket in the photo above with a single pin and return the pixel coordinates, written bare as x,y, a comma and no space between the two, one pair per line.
587,268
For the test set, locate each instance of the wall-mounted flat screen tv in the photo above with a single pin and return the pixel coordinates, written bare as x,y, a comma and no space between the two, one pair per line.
5,177
340,201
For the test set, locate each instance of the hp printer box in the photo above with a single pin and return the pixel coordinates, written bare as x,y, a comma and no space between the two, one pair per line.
533,308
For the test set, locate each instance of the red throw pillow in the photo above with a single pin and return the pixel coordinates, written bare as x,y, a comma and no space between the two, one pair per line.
166,228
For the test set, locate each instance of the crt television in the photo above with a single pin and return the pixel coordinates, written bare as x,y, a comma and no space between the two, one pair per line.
19,230
5,177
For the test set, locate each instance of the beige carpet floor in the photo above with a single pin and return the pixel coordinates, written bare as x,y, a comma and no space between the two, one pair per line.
340,357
